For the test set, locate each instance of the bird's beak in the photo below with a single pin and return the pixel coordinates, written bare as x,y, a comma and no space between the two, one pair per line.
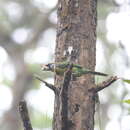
45,68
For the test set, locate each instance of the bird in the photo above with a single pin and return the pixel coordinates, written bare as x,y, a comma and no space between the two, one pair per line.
61,67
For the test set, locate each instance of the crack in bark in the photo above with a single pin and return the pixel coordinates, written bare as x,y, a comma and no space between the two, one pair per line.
64,98
77,107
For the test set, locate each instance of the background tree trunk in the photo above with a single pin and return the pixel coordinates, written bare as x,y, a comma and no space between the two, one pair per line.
76,30
21,84
16,52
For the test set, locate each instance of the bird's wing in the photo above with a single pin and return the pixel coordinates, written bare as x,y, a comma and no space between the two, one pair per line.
77,66
62,65
65,65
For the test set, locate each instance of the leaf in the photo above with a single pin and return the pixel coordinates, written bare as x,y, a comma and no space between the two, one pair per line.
127,101
127,80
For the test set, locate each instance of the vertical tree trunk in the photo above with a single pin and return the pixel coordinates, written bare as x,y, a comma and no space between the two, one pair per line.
23,81
76,30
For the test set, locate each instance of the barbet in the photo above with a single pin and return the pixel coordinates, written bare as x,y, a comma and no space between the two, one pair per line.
60,67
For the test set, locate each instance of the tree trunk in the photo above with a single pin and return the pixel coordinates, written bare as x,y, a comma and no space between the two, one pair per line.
76,30
22,83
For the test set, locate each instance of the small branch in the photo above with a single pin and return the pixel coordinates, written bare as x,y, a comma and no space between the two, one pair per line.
52,87
64,97
24,115
106,83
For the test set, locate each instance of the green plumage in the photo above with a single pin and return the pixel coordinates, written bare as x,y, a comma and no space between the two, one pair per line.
77,70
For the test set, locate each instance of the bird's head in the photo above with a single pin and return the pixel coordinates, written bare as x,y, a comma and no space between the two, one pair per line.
48,67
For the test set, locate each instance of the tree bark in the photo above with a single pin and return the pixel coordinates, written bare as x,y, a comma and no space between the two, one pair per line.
76,31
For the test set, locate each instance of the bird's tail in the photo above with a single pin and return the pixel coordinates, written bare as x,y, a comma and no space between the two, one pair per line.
98,73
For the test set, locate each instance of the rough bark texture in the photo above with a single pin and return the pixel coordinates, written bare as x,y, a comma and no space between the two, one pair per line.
77,30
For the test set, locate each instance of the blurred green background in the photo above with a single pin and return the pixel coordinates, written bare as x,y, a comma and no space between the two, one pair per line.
27,40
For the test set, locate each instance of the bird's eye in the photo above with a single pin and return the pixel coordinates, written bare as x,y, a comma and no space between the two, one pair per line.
50,66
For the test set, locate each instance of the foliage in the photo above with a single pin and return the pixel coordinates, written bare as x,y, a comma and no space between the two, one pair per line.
126,80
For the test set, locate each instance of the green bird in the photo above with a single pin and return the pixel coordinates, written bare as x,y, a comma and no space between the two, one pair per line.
60,67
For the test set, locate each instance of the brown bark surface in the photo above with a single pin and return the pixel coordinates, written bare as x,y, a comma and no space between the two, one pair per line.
76,29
